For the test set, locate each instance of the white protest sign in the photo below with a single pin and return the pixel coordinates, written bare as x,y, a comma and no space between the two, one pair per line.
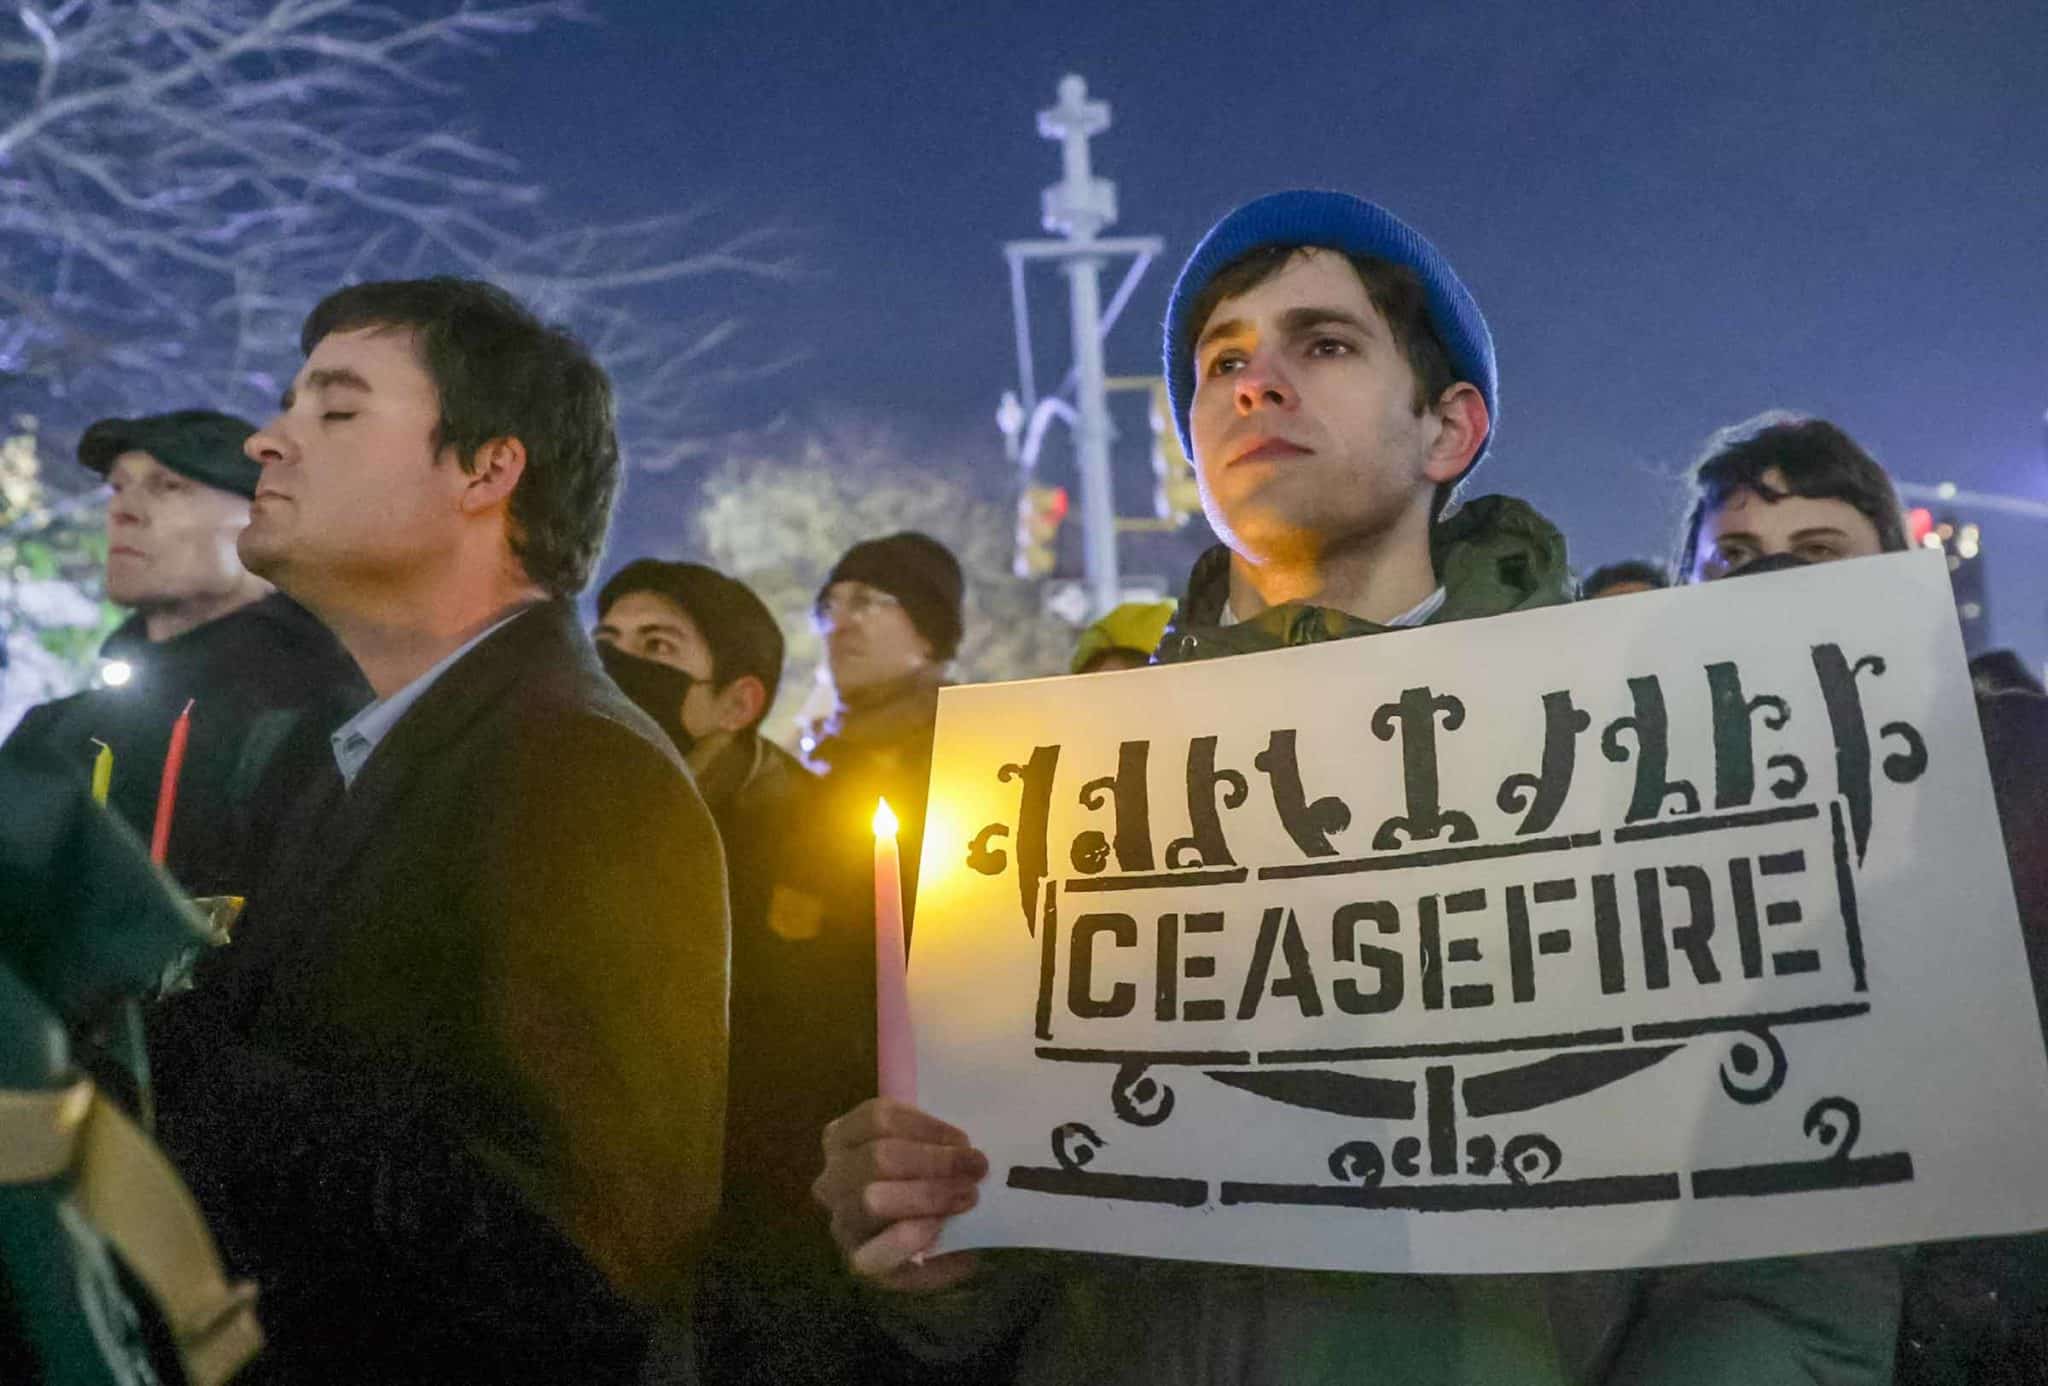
1659,929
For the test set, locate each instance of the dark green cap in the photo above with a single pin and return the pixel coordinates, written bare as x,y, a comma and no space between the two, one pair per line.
200,443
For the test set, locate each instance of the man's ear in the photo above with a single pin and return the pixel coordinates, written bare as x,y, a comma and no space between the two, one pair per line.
741,703
493,475
1463,425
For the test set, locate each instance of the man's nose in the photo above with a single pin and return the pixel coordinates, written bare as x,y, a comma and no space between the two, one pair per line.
268,444
1262,383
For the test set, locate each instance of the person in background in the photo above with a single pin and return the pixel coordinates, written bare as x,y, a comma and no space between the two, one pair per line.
1123,639
891,616
454,1095
1621,579
2003,671
699,653
1781,491
266,681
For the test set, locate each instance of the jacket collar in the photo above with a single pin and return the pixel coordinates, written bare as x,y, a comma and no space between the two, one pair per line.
1493,555
545,635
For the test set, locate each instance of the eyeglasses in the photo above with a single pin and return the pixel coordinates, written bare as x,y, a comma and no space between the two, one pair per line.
834,609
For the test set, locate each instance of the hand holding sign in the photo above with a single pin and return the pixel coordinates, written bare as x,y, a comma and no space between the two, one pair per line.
1575,939
893,1175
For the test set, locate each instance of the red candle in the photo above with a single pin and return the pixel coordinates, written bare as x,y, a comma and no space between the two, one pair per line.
894,1047
167,789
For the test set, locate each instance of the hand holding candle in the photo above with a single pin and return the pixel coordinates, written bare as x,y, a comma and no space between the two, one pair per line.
167,788
896,1052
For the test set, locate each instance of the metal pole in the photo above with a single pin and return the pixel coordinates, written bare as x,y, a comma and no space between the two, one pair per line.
1091,438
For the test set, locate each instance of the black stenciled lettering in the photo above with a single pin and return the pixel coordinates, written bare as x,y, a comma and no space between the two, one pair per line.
1127,787
1199,966
1166,969
1033,811
1543,794
1742,886
1414,715
1607,935
1309,824
1386,962
1651,730
1787,962
1429,930
1081,998
1692,939
1278,928
1521,956
1209,791
1734,739
1470,994
1837,676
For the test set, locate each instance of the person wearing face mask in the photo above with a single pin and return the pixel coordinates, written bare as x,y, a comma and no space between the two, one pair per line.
264,679
701,654
1783,491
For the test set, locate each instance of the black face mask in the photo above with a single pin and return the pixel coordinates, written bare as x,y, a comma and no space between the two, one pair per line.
1768,563
656,689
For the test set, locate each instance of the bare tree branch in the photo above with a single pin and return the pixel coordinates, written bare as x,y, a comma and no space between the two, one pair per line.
181,179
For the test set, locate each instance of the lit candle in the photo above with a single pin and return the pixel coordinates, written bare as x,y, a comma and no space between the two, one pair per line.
167,788
894,1047
102,771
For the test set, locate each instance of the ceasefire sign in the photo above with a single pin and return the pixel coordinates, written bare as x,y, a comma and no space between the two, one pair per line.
1596,936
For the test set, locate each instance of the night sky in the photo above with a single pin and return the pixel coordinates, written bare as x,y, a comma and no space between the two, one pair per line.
1674,217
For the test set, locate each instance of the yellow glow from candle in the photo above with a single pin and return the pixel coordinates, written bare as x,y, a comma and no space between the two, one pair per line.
885,821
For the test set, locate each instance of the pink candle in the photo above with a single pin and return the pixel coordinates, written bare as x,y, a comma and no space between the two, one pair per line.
895,1049
167,788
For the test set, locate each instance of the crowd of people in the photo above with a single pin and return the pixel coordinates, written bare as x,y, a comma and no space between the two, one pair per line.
545,1047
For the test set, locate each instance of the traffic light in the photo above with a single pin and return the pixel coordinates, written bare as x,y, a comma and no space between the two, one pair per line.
1040,511
1175,495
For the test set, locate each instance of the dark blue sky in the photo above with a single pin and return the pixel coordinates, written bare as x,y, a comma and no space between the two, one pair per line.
1673,216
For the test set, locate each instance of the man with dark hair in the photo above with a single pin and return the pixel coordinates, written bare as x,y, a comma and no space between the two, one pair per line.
265,680
1621,579
1324,459
1783,483
453,1096
1782,491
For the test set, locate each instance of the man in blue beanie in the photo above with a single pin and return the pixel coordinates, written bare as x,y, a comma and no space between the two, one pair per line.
1334,382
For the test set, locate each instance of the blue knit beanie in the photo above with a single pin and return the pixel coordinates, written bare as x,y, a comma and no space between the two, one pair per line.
1338,221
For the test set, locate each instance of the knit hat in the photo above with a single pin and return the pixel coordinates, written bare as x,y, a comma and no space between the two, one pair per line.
737,625
1337,221
918,571
199,443
1136,626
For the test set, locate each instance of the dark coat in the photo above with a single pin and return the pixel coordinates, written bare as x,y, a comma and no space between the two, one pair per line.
266,681
1977,1311
777,1307
453,1095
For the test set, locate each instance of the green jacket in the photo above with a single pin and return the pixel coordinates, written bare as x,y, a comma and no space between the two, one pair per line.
1063,1317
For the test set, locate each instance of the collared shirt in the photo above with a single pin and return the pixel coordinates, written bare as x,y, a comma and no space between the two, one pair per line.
1413,616
358,737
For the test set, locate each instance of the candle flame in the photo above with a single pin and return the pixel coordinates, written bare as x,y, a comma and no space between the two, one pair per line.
885,821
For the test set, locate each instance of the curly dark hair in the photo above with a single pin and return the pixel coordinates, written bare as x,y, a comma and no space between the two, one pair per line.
1813,457
501,372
